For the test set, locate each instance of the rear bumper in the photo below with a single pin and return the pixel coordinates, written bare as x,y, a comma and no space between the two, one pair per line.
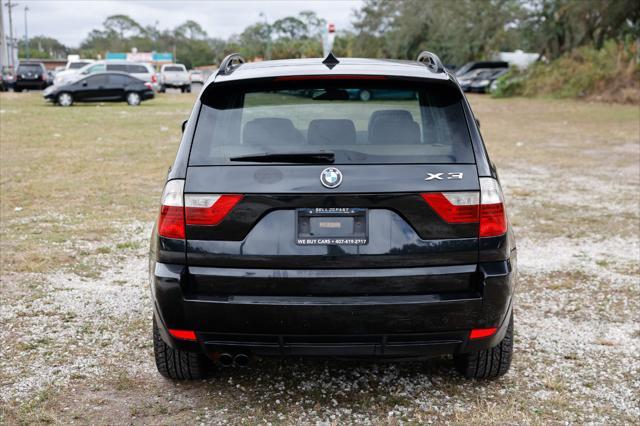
174,84
30,84
353,325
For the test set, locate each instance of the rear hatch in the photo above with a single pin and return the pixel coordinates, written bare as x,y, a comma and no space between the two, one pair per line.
30,72
175,74
295,176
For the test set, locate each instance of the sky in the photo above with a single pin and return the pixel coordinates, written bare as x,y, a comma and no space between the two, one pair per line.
70,21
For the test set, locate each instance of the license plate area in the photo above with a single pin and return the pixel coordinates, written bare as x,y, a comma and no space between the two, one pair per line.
341,226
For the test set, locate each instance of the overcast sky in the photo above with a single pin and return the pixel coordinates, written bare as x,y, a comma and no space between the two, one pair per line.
70,21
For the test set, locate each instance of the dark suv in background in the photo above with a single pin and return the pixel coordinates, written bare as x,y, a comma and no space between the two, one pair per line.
298,219
31,76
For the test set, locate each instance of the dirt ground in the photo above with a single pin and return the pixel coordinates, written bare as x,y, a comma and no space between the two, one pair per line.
79,189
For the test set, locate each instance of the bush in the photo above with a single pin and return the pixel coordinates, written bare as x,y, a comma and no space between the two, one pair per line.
611,74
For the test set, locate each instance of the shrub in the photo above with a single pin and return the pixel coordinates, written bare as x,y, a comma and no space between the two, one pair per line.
611,74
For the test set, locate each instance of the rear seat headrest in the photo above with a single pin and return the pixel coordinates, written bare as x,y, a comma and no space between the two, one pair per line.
393,126
331,132
271,131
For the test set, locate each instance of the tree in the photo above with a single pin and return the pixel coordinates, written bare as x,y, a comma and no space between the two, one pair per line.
123,25
291,28
43,47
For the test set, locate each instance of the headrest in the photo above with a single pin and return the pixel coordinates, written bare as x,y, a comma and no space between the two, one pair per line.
271,131
393,127
331,132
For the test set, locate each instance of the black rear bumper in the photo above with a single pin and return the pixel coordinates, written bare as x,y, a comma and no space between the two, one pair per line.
394,325
30,84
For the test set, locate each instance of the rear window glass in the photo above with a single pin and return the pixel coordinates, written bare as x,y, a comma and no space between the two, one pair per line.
361,123
119,80
29,68
117,67
137,69
77,65
174,68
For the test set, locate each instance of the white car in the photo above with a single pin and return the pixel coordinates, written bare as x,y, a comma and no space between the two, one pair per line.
175,75
142,71
72,68
197,76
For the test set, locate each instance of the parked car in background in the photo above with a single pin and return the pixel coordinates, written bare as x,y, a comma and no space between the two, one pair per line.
479,79
482,84
366,95
31,76
7,79
174,76
470,66
139,70
72,68
103,87
197,76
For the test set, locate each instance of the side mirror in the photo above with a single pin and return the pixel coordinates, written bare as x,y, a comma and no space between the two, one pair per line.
184,125
478,123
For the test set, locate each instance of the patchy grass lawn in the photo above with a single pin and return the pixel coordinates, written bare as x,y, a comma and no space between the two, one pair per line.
79,189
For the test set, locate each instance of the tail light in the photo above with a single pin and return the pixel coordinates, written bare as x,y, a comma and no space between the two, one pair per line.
485,208
154,78
493,218
171,221
179,210
455,207
209,209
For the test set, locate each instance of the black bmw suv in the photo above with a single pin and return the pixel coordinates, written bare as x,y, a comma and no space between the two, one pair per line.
298,219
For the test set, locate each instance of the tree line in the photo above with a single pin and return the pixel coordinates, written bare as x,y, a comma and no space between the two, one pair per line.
458,31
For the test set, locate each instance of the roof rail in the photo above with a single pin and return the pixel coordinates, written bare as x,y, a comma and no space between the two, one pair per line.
431,60
230,63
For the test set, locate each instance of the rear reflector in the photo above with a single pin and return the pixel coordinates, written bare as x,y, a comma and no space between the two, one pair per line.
480,333
209,209
171,220
183,334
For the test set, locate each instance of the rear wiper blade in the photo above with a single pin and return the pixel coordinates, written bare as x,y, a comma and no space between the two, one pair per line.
322,157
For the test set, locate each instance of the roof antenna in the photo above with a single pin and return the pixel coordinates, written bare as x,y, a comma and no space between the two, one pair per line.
330,61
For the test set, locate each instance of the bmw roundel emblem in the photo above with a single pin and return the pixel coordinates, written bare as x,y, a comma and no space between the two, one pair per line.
331,177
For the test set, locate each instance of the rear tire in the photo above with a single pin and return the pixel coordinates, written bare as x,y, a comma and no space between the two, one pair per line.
177,364
163,89
133,98
489,363
17,90
188,89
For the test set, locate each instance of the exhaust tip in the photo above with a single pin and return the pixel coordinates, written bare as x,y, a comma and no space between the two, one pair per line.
241,360
225,359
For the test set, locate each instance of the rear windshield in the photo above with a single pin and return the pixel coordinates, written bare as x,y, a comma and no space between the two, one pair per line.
361,123
77,65
29,68
174,68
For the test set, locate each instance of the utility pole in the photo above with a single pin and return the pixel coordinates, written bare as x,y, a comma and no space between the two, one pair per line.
4,55
10,7
26,32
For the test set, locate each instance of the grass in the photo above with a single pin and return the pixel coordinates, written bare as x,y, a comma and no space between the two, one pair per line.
78,185
73,175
